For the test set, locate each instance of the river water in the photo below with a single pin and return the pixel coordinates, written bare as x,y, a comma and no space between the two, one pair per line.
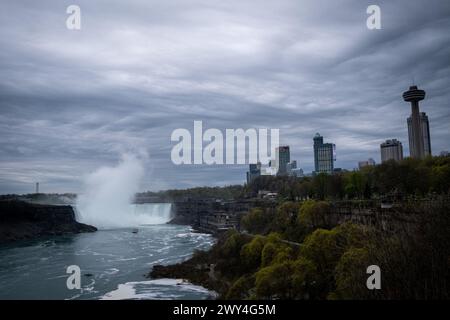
112,263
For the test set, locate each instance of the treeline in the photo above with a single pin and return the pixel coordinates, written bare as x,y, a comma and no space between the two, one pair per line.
406,178
290,254
225,193
45,198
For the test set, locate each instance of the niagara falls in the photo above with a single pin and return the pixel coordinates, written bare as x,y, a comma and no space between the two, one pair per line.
114,261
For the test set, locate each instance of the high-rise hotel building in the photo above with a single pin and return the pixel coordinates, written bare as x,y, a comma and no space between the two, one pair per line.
282,158
253,172
324,155
391,150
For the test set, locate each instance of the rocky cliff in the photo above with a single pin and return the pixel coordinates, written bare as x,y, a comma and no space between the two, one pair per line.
23,220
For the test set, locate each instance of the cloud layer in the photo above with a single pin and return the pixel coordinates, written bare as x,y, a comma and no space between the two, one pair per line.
72,101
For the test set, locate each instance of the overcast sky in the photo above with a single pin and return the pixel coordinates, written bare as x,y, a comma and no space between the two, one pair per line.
73,101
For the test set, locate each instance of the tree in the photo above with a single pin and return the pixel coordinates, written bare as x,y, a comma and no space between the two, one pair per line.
312,214
241,288
227,253
285,215
257,220
355,184
251,253
320,185
336,186
275,281
323,250
305,279
269,253
351,276
440,178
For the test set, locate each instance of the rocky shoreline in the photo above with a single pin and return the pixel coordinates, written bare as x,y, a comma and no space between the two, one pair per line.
198,270
20,220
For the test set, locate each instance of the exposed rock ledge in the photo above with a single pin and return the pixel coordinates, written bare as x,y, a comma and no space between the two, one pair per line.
22,220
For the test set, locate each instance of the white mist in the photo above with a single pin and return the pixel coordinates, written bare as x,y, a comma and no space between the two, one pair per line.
106,201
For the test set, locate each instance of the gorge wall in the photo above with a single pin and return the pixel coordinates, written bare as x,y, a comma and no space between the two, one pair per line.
22,220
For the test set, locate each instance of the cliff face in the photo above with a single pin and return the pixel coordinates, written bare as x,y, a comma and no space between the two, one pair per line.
22,220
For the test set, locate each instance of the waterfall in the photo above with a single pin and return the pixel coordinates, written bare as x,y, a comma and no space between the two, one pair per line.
106,201
133,216
153,213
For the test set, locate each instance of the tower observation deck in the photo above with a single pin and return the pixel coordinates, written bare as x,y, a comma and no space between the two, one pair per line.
414,95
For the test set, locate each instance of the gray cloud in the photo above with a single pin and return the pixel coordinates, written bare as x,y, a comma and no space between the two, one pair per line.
71,101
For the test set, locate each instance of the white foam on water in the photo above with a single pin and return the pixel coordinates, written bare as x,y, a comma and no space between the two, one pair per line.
156,289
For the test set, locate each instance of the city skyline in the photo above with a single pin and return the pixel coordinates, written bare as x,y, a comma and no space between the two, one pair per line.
74,101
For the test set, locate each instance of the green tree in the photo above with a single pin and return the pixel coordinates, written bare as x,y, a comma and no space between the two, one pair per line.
275,281
351,276
440,178
257,221
251,253
313,214
241,289
305,279
227,254
355,184
320,184
286,214
322,249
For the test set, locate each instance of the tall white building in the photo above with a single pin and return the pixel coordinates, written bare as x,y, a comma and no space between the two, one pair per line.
391,150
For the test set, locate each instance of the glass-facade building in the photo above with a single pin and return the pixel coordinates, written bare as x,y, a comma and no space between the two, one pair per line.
324,155
253,172
282,158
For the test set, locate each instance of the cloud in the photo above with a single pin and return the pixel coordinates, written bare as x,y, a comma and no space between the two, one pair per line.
73,101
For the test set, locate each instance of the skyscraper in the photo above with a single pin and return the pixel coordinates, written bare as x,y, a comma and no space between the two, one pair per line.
425,127
253,172
324,155
282,158
318,141
391,150
291,166
416,139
